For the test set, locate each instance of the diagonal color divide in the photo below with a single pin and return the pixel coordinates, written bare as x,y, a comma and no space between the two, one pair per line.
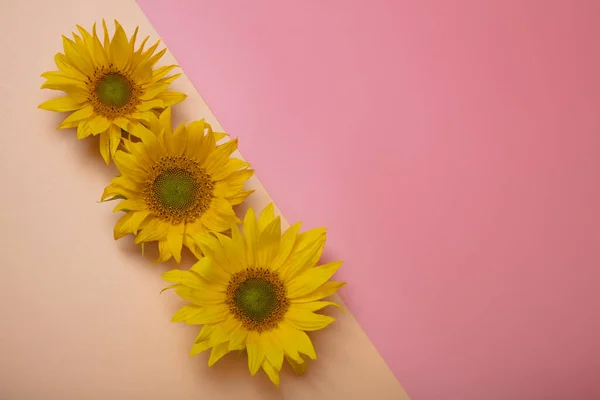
82,312
451,147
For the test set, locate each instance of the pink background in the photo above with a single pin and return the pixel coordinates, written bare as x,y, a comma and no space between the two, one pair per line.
453,149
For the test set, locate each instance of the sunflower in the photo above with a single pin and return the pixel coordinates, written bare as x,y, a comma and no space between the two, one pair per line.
258,291
110,86
175,184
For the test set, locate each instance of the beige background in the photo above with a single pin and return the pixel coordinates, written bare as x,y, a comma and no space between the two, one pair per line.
81,315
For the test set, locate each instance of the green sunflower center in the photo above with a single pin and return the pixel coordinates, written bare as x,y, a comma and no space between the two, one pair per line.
114,90
178,190
257,297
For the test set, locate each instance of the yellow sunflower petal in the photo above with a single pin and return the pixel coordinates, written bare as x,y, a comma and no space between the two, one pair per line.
83,129
238,338
302,260
232,261
218,158
133,39
191,245
98,124
232,165
154,59
180,140
170,98
151,104
308,238
299,368
266,216
130,205
186,278
63,63
307,320
206,296
199,348
208,315
129,223
310,280
77,56
297,339
162,71
96,48
214,221
206,269
255,353
164,253
165,120
285,245
268,242
204,334
185,313
61,104
152,229
105,146
205,146
239,177
217,353
175,240
238,246
99,51
123,182
316,305
114,133
77,116
106,36
194,228
127,166
225,189
272,348
271,372
239,198
148,53
222,332
56,80
151,91
325,290
220,135
196,141
119,47
250,236
88,43
282,333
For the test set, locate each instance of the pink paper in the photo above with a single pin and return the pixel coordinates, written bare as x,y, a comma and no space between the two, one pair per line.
452,148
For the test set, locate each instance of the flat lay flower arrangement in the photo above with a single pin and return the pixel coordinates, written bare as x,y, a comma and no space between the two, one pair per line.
254,288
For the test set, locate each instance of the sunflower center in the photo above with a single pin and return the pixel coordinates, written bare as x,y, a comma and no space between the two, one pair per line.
175,189
257,297
112,92
178,190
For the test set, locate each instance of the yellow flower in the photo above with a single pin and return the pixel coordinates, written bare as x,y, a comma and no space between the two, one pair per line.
258,291
175,184
109,85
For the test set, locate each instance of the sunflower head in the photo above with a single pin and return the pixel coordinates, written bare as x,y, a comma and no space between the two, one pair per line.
259,291
176,184
110,86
